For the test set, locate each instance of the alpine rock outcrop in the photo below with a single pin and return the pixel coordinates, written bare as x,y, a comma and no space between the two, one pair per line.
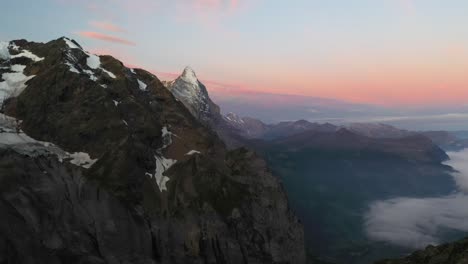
100,163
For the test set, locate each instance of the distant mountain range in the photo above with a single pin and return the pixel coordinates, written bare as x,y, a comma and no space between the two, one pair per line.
275,108
101,163
333,172
255,129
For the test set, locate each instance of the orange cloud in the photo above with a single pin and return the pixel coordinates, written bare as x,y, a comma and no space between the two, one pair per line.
107,26
105,37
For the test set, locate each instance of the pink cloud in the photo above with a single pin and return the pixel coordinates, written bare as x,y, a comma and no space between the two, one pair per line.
207,13
105,37
218,87
234,4
166,76
107,26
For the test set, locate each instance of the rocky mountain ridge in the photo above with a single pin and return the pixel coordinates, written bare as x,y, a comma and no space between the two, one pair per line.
100,163
252,128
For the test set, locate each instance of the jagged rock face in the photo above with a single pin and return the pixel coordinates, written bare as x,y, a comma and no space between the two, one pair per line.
193,94
115,170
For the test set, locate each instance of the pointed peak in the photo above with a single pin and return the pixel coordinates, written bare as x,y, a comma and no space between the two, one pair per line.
71,43
189,75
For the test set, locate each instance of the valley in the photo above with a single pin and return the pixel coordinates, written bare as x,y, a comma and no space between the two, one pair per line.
90,147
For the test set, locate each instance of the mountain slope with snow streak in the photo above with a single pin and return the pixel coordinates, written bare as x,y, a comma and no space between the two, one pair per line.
100,163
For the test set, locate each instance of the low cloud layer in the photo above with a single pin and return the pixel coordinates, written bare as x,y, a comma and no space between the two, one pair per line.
459,161
418,222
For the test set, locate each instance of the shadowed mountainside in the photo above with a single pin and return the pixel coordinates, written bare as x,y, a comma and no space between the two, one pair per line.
101,164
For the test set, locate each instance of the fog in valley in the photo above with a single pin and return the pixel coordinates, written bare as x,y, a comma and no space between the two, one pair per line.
417,222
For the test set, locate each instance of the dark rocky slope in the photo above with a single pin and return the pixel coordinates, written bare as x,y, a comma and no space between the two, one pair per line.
451,253
161,187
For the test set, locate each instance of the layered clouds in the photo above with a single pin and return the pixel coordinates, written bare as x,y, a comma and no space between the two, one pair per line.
459,161
106,37
418,222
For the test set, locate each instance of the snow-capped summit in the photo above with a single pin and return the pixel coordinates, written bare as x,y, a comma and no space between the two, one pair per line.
193,94
71,43
189,75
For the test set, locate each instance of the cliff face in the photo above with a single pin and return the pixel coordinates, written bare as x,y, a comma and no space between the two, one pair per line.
192,93
101,164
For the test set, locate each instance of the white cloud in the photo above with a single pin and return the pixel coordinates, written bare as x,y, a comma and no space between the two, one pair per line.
459,161
418,222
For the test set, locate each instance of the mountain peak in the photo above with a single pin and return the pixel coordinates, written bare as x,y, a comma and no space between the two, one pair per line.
189,75
193,94
71,43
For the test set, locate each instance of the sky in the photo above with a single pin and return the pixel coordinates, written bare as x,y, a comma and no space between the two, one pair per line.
391,53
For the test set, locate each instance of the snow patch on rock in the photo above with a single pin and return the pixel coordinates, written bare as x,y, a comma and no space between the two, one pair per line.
72,68
11,136
82,159
14,82
192,152
94,62
70,44
109,73
4,53
162,163
91,75
167,137
27,54
142,85
71,62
